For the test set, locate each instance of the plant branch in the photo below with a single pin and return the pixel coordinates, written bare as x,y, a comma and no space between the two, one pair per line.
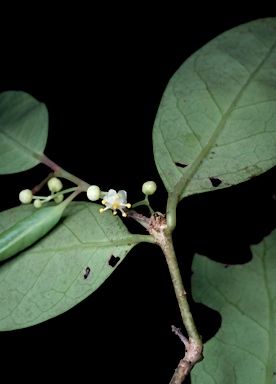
192,356
60,172
178,332
181,295
38,187
194,346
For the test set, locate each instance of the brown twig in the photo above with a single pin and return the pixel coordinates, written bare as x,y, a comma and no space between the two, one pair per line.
192,356
141,219
184,339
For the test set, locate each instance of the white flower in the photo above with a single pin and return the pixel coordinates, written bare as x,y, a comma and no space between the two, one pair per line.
113,200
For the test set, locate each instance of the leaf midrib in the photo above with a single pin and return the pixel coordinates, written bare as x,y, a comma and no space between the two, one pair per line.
130,241
20,146
183,182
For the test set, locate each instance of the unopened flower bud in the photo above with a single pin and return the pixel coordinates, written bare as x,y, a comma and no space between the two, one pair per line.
54,184
93,193
58,199
37,204
26,196
149,187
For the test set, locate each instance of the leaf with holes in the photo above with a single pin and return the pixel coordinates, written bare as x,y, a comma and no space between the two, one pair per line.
216,123
64,267
23,131
244,349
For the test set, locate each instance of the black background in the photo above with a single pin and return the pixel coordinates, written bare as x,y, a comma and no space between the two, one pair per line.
104,71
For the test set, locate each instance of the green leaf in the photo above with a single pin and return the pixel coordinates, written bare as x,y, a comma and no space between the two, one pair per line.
28,230
244,349
216,123
64,267
23,131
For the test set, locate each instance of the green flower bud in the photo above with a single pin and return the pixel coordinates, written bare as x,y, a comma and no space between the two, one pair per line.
26,196
149,187
37,204
54,184
58,199
93,193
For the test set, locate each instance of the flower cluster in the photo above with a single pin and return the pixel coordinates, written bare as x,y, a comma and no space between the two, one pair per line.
54,184
118,200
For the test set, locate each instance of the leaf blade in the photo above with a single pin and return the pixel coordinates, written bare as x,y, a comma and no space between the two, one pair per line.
217,117
49,278
28,230
23,131
243,350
